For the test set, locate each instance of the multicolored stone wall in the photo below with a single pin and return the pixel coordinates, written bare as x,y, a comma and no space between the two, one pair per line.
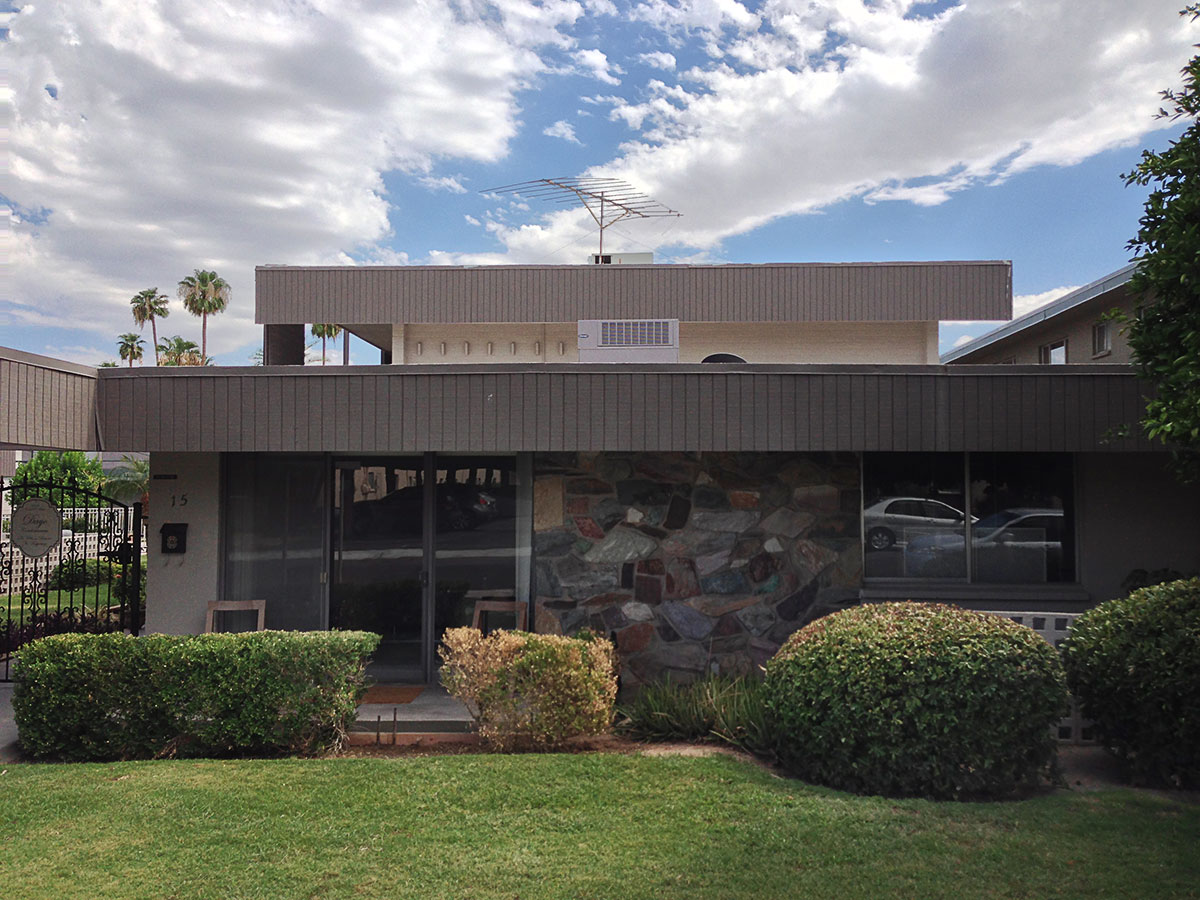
696,562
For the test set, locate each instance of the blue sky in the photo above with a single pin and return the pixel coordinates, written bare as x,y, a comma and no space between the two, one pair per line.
151,139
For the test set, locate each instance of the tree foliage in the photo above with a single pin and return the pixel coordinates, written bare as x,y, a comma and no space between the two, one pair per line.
1164,334
130,347
148,306
325,332
204,294
175,351
50,467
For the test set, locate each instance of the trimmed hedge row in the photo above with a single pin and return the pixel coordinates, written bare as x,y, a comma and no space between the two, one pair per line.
907,699
1134,664
111,696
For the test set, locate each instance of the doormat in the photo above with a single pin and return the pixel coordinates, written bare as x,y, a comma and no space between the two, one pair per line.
392,693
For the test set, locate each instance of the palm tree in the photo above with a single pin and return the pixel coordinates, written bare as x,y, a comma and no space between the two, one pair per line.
130,481
149,305
323,332
178,352
130,347
204,294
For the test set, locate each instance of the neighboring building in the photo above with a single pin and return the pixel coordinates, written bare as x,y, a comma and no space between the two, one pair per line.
698,512
1073,329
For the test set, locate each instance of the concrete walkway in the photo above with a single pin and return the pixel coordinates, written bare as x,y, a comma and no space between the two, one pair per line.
8,727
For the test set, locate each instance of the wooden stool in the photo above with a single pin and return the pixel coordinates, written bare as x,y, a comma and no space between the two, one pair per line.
216,606
490,601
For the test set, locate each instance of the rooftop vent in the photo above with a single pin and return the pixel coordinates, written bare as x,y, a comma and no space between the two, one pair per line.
629,340
621,259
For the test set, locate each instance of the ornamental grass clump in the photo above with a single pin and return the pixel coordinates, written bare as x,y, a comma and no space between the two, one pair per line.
715,707
531,691
911,699
1134,665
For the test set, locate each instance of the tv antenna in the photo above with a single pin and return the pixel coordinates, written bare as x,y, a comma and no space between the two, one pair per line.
608,200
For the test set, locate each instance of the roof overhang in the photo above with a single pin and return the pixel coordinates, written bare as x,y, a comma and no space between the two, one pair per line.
775,292
505,408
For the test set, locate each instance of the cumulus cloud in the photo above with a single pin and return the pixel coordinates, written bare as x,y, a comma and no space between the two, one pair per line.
658,59
1027,303
561,129
805,104
597,64
182,134
148,139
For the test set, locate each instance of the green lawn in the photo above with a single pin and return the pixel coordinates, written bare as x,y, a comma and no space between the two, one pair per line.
583,826
82,598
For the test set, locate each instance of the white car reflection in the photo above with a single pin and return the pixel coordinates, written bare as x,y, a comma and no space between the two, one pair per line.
1021,545
893,519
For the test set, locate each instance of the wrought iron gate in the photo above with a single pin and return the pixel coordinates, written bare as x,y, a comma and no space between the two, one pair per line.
70,561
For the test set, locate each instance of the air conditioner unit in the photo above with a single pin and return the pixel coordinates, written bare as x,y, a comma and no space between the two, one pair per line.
621,259
628,340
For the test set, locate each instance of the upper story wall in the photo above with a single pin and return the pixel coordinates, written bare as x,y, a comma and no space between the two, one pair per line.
801,343
777,292
45,403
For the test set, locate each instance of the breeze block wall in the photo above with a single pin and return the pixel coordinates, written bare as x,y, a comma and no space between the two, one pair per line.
694,562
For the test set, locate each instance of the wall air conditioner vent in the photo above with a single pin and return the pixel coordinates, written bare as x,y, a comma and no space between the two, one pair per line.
629,340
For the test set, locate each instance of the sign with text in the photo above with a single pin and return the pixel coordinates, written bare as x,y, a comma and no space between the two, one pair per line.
36,527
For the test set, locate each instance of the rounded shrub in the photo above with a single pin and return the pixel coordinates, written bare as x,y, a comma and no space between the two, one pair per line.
913,699
1134,665
531,691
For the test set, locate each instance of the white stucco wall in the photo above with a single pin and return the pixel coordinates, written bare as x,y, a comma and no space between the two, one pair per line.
179,586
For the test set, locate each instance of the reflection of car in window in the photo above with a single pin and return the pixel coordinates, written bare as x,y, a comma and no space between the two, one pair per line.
1011,546
892,519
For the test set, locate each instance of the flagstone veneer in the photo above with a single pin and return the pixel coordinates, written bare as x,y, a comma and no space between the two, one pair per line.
693,562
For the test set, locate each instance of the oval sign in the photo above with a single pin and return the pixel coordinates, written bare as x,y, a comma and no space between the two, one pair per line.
36,527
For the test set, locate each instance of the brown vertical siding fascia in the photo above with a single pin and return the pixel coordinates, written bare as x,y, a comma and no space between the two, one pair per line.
779,292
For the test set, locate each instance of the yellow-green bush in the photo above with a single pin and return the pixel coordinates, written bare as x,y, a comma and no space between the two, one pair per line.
914,699
112,696
1134,665
531,691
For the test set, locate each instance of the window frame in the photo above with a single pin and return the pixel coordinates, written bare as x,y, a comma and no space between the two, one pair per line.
1046,353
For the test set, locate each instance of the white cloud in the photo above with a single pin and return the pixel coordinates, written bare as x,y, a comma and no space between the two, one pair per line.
597,64
806,104
561,129
443,183
222,135
963,339
658,59
1027,303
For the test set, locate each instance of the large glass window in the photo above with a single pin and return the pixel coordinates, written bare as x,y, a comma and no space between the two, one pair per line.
1024,530
993,518
275,537
912,508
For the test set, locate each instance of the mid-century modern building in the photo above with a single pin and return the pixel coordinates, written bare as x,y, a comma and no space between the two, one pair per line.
696,459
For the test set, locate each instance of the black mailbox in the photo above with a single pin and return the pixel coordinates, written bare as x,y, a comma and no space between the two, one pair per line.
174,537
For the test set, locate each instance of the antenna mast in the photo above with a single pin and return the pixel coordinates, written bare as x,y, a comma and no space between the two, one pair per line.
608,200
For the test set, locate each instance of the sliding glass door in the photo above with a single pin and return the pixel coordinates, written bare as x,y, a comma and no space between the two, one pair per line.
378,571
418,544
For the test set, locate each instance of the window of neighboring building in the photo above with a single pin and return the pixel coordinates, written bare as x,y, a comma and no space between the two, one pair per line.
1054,354
985,518
1101,338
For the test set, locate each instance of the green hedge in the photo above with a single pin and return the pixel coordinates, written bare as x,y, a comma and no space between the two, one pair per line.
1134,665
913,699
111,696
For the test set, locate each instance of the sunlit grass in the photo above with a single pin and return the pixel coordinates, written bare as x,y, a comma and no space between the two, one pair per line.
582,826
